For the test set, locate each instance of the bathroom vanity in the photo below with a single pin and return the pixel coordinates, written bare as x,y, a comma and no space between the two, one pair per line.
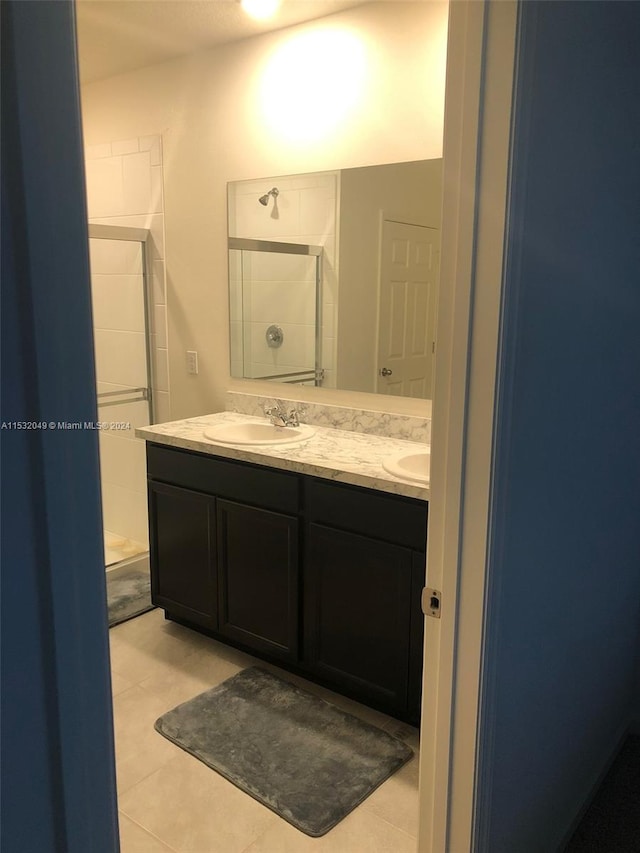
322,577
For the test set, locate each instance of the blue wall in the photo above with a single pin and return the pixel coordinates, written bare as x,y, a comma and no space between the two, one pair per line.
58,775
565,557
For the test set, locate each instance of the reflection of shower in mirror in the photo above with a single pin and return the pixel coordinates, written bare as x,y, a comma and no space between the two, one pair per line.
264,199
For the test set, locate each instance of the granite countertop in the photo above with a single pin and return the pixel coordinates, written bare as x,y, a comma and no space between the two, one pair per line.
333,454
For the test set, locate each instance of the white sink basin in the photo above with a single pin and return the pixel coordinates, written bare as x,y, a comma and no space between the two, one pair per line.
257,433
411,465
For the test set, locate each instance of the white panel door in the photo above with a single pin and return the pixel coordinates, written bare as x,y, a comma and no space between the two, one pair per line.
406,319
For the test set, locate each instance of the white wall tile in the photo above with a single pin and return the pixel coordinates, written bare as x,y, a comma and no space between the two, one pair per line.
93,152
160,370
158,290
317,212
115,257
123,462
284,302
162,407
235,345
152,144
328,353
328,321
121,357
125,146
156,197
118,302
272,266
105,187
159,326
136,178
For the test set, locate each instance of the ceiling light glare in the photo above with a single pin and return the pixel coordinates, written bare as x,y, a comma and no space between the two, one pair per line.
260,9
312,84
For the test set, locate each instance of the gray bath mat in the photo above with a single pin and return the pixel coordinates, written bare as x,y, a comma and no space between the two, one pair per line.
300,756
128,592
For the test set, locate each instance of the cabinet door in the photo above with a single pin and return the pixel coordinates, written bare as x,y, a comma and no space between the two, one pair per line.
258,578
182,553
357,614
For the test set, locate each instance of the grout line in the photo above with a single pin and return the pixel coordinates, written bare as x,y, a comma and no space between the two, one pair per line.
148,832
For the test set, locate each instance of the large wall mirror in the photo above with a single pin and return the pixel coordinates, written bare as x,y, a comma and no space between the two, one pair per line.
333,277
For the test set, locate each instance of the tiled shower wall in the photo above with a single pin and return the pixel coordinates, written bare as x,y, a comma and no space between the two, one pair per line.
124,187
305,211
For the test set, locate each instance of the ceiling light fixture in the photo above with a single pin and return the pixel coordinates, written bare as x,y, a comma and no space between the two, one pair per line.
260,9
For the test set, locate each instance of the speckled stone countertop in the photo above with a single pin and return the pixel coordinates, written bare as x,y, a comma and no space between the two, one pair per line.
333,454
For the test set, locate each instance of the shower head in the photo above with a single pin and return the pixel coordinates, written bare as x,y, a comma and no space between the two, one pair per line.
264,199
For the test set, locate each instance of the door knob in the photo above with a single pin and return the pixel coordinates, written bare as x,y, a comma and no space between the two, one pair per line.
385,371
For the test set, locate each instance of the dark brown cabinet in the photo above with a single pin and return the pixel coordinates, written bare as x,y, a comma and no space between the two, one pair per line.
324,578
182,551
357,609
258,578
363,574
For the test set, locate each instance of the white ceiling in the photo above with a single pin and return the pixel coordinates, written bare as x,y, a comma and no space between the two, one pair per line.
115,36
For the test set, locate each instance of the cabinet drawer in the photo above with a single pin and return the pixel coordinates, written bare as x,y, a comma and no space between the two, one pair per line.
392,518
224,478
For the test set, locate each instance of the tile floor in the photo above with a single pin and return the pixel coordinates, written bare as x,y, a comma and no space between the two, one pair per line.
170,802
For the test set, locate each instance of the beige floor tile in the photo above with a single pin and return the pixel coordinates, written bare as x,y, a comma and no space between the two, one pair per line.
194,810
143,657
196,673
119,683
142,625
396,800
140,750
135,839
359,832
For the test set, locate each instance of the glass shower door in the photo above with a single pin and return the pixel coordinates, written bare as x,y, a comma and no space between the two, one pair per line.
120,318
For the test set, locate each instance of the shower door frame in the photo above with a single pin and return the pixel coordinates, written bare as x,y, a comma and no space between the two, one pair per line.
127,234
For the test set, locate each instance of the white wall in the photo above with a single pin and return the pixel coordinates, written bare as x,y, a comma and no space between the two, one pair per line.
361,87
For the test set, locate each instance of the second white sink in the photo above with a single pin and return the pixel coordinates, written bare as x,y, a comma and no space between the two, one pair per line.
251,432
410,465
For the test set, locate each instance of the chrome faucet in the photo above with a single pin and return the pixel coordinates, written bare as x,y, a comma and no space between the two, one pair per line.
279,417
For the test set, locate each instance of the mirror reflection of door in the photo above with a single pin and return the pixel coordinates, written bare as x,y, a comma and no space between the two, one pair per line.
406,320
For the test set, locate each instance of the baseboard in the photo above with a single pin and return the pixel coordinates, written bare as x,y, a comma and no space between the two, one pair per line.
626,729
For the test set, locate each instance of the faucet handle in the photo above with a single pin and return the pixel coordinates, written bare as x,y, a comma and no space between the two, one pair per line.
293,418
